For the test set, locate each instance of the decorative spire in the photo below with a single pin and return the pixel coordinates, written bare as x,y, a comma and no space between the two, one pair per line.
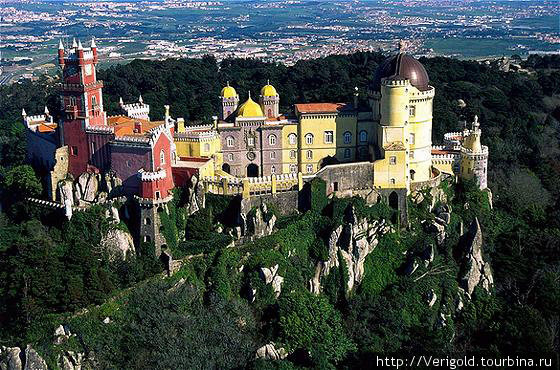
23,113
46,111
60,45
74,43
249,94
140,100
268,81
227,83
93,45
476,124
121,103
80,47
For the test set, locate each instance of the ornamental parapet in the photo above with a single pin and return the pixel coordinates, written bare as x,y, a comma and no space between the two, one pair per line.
479,153
80,87
100,129
250,186
149,202
151,175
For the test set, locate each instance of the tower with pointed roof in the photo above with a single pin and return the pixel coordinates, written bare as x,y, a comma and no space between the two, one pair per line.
229,101
270,101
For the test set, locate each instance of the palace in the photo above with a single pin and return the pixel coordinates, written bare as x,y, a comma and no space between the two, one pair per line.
385,147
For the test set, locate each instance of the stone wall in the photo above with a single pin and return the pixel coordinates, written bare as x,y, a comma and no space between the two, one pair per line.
347,176
285,203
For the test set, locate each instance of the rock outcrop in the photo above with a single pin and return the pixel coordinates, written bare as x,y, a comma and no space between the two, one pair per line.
270,352
195,196
354,241
10,358
261,223
86,187
118,244
33,361
475,270
270,276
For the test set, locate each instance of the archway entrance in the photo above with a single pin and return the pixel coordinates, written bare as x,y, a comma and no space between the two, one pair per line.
226,168
394,200
252,170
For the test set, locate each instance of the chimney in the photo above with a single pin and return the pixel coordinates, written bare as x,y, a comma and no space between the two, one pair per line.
137,127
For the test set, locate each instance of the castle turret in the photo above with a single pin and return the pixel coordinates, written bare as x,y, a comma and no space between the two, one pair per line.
402,102
269,101
93,48
229,101
474,156
61,54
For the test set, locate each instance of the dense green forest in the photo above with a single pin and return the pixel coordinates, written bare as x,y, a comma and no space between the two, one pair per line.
50,269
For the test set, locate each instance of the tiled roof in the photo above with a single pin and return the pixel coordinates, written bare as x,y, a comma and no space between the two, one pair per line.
125,126
322,107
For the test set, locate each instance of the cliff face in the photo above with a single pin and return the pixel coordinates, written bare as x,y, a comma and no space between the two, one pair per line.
354,241
475,269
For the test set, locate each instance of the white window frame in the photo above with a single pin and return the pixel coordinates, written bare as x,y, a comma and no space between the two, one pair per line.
309,154
309,139
293,154
230,157
392,160
293,168
412,110
162,157
272,155
329,137
309,168
206,147
272,170
230,141
411,138
292,139
272,140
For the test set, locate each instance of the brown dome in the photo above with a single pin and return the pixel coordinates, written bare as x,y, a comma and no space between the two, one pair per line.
402,66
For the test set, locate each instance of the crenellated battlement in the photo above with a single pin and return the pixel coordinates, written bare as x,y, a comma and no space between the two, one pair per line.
151,175
253,185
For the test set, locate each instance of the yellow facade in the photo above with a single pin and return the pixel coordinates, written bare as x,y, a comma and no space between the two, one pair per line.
314,133
290,152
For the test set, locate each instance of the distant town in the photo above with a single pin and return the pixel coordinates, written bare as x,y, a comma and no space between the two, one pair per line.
274,31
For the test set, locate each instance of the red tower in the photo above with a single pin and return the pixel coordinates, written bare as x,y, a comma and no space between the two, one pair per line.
82,102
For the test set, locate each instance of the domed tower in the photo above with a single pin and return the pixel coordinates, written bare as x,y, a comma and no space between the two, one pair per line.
269,101
229,100
474,156
402,106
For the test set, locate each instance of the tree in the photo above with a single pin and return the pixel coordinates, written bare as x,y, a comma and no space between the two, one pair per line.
311,323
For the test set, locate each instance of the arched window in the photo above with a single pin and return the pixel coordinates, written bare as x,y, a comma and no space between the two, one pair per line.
230,157
309,154
272,155
293,154
162,157
273,170
292,138
309,139
272,139
206,147
363,136
230,141
93,101
293,168
347,153
347,137
147,221
309,168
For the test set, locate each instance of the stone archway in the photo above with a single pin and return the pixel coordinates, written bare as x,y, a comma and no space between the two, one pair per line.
226,168
394,200
252,170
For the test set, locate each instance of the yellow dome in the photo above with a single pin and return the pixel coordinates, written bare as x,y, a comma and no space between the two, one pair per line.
250,109
228,92
268,90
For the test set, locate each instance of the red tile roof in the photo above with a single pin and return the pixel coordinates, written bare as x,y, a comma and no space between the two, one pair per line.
321,107
125,126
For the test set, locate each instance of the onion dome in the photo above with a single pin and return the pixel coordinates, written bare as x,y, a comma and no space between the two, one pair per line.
402,66
228,92
250,109
268,90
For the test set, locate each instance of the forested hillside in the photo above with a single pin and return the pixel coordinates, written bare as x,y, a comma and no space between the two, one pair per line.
50,270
